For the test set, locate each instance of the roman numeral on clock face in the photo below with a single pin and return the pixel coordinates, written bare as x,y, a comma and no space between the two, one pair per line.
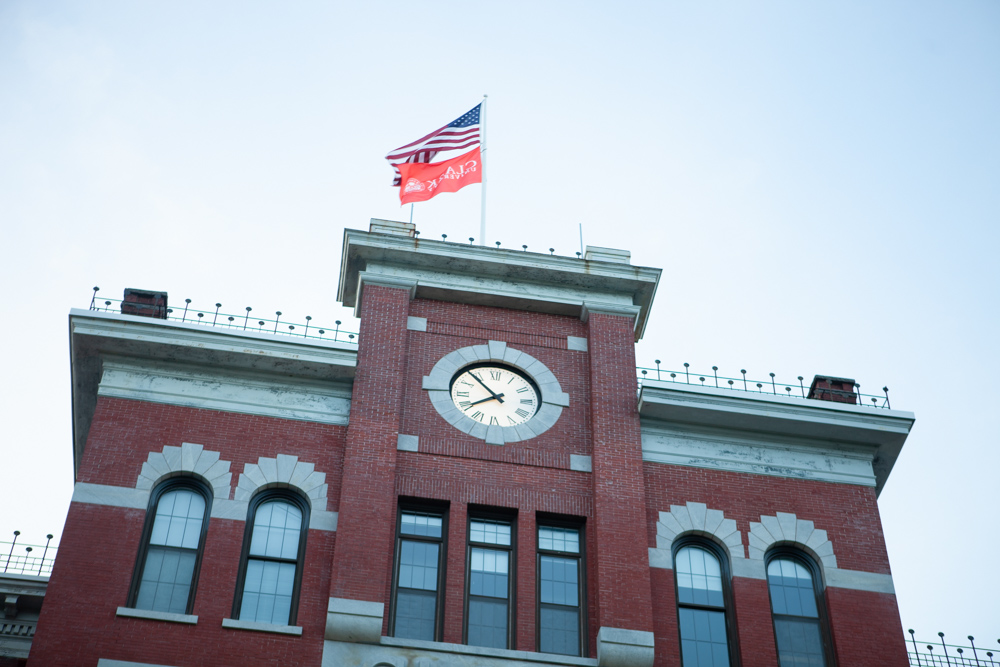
527,401
478,415
521,412
494,375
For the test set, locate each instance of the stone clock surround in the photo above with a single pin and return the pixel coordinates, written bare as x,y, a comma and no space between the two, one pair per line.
553,398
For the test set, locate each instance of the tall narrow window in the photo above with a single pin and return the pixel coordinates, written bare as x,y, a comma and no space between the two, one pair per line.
419,554
489,582
273,552
796,608
561,621
702,596
173,541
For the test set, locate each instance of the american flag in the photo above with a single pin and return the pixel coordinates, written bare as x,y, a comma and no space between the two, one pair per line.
460,133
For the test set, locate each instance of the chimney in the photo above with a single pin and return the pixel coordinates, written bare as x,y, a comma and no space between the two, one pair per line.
837,390
392,227
145,303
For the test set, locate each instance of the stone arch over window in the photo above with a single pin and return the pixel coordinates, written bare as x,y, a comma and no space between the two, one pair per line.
191,459
284,471
787,529
696,519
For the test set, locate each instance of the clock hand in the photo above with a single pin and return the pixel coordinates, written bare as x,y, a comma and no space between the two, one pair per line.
499,397
492,393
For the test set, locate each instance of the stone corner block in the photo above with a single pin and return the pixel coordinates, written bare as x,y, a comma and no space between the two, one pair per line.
617,647
581,462
356,621
407,443
576,343
416,323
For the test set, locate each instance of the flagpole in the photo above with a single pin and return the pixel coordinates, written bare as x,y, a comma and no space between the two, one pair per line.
411,214
482,158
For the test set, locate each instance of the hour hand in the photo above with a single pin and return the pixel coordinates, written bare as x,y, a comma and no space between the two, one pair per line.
499,397
493,394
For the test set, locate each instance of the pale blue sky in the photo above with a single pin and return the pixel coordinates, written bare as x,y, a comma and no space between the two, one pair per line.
819,182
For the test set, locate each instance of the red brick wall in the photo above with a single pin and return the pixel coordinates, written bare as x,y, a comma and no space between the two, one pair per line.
848,513
124,432
622,563
866,628
366,526
91,579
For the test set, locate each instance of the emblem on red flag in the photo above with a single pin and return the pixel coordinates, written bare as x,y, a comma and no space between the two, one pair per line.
421,181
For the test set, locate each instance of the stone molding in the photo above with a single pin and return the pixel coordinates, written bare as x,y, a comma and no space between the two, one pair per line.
416,323
624,648
695,519
283,472
356,621
383,280
581,463
407,443
256,626
438,387
786,528
105,662
393,652
188,458
576,343
589,307
167,616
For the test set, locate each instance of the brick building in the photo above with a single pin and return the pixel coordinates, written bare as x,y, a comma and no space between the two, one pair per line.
475,483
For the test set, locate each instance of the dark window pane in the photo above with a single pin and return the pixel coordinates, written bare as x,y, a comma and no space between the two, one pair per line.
415,614
416,523
699,577
178,519
703,638
487,623
267,592
276,529
489,532
559,539
791,587
559,630
559,583
799,642
418,563
488,573
166,580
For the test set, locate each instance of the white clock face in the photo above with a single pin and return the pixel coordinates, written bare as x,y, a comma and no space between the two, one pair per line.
494,395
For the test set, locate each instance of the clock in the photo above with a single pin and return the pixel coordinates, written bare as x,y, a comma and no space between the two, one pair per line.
495,395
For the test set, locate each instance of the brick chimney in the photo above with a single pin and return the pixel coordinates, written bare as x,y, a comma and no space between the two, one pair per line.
828,388
145,303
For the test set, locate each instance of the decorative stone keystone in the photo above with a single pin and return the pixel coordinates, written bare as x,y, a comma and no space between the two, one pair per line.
354,621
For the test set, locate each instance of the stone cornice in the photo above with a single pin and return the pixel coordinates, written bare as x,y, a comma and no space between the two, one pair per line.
492,276
822,425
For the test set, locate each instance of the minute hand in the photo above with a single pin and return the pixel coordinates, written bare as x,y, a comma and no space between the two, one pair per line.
498,397
493,394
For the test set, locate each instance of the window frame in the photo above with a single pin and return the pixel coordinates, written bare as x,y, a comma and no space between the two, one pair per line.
264,496
492,515
175,483
421,507
804,559
547,521
728,600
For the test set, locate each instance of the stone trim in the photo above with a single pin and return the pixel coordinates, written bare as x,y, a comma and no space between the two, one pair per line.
581,462
617,647
105,662
234,624
576,343
785,528
694,519
128,612
407,443
489,656
283,472
438,385
188,458
354,620
589,307
416,323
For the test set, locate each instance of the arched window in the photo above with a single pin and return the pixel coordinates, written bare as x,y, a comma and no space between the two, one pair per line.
797,609
274,547
173,540
703,603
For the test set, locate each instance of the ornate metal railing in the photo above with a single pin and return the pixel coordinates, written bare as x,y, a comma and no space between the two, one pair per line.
771,385
241,321
938,652
32,559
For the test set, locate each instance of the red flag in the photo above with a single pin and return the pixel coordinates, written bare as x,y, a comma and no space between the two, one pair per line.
422,181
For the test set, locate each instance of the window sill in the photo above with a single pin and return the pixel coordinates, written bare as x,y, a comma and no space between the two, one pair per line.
156,615
233,624
506,654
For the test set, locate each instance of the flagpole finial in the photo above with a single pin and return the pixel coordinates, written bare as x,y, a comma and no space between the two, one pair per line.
485,95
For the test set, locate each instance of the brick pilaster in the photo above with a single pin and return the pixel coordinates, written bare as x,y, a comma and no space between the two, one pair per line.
622,559
362,562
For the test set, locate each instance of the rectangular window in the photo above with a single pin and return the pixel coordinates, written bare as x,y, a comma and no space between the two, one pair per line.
418,580
561,617
489,583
